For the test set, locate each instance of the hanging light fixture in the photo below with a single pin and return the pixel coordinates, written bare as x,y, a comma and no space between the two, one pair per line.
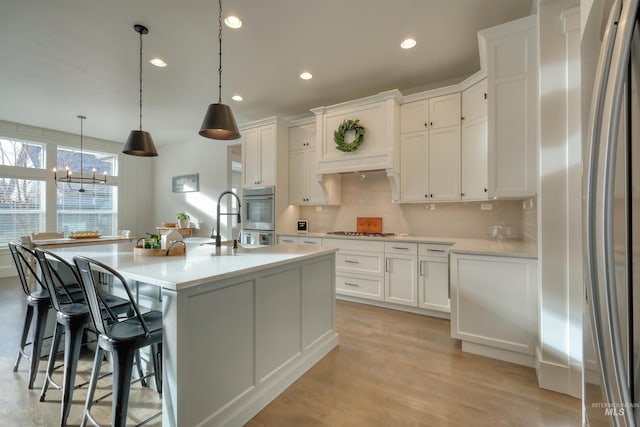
140,142
219,123
68,176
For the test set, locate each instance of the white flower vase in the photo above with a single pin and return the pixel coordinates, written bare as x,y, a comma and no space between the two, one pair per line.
183,223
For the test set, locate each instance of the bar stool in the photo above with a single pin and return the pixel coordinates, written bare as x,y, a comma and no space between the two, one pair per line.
122,336
38,303
72,314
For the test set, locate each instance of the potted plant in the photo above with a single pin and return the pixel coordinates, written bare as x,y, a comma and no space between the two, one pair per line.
183,220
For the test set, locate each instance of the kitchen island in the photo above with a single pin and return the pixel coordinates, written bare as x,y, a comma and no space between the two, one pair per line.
239,326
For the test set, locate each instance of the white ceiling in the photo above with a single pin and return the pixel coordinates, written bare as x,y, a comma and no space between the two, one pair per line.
59,59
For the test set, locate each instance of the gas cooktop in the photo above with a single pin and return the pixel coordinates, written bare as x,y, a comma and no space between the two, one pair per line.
360,233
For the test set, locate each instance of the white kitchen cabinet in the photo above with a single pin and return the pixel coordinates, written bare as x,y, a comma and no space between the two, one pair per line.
444,164
304,188
473,150
264,153
310,241
511,62
359,268
444,111
288,240
401,273
414,167
494,306
433,277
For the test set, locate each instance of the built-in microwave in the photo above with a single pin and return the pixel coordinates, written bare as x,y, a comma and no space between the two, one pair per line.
258,208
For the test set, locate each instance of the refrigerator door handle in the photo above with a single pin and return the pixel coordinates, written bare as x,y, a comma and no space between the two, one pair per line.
600,242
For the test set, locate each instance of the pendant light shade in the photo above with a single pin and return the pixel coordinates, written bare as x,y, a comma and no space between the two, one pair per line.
140,142
219,123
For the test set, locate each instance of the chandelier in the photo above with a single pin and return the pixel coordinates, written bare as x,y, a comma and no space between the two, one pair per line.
68,176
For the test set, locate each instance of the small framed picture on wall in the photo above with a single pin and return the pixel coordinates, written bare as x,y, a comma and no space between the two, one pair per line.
185,183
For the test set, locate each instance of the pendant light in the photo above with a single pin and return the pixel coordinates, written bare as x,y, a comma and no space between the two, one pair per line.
219,123
68,176
140,142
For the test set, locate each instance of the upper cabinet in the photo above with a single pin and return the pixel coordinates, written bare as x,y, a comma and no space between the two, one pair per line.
510,54
474,143
264,153
430,149
305,185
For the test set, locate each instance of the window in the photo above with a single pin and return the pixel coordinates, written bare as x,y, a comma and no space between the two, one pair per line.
22,207
23,189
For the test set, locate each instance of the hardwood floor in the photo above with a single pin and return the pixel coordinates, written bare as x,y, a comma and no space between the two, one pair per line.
390,369
399,369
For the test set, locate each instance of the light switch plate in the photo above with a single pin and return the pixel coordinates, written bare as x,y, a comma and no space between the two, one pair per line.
486,206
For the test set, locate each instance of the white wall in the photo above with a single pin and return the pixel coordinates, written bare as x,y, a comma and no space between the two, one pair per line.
206,157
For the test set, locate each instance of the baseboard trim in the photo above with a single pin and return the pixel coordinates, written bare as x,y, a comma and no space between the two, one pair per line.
499,353
399,307
558,378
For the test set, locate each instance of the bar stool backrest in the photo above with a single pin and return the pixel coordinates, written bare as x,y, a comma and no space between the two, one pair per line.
92,290
25,259
56,274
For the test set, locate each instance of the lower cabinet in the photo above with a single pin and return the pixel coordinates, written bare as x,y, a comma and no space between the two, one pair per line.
433,277
494,306
400,275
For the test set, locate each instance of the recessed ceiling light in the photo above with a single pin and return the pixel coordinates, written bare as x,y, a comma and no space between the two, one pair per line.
408,44
237,98
306,76
233,22
158,62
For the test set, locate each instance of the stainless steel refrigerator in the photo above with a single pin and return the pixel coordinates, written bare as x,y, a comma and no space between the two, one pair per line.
610,60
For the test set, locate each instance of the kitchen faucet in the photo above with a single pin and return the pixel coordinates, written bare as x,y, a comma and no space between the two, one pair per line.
218,238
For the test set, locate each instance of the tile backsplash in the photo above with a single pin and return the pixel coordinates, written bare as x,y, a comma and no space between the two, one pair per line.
369,194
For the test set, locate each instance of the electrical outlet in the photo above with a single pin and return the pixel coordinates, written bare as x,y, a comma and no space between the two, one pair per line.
318,208
486,206
432,207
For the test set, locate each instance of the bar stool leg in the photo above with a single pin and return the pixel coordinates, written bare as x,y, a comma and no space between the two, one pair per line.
156,350
122,369
95,374
55,345
41,313
73,343
25,334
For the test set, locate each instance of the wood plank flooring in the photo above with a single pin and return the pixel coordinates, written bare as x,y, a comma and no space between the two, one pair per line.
399,369
390,369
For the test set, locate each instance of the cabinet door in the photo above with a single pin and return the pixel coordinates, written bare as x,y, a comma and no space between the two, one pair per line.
297,177
444,164
268,154
315,195
302,136
512,111
413,116
414,167
400,280
251,157
494,301
474,159
474,101
444,111
433,284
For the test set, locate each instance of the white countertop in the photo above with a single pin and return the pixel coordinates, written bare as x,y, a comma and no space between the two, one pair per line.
492,247
199,266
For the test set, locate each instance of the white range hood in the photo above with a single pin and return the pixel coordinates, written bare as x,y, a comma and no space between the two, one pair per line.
380,116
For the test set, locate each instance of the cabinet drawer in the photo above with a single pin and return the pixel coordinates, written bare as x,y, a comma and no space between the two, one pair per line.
288,240
434,250
369,287
401,248
364,263
311,241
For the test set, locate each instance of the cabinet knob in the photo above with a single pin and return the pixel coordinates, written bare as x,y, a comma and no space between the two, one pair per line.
462,194
426,195
485,95
431,124
430,195
485,190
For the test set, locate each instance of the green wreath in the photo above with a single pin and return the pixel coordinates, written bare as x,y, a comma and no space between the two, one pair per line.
346,126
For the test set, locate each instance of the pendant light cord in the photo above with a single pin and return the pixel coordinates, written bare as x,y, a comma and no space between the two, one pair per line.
140,98
220,51
81,152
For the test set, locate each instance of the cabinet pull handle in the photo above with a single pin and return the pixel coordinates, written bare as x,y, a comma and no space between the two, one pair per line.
485,95
309,242
461,194
485,190
386,266
421,268
348,261
400,247
435,250
287,241
351,284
